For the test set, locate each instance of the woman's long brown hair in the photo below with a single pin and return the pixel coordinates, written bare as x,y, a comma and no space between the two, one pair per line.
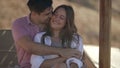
66,35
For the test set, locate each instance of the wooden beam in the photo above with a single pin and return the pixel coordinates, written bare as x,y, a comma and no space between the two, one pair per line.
104,34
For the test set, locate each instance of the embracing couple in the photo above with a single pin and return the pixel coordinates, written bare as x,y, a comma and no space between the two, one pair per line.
47,38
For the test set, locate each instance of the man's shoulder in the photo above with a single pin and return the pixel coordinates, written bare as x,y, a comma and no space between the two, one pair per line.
21,20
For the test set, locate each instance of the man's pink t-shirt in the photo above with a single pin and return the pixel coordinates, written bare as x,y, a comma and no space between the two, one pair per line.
22,27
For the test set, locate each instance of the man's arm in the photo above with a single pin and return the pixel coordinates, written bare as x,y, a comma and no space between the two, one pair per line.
39,49
35,48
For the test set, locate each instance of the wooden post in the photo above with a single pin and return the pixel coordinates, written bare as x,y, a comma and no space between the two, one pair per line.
104,34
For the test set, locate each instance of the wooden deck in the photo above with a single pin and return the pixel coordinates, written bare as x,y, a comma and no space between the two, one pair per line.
8,57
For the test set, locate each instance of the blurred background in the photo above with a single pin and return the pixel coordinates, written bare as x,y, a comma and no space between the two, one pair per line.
86,18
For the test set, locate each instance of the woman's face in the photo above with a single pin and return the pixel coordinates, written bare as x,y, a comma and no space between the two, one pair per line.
58,19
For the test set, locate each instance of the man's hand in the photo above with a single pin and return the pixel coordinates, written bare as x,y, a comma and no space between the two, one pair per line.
68,53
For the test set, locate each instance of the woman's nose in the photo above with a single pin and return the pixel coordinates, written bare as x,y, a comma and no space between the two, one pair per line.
57,18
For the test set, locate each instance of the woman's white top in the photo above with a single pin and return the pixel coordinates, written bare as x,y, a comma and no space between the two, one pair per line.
37,60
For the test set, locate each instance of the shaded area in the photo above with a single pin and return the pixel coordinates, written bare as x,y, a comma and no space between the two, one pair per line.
8,57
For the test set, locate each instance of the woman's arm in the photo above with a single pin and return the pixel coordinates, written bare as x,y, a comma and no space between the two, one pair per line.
73,65
80,46
77,44
76,62
51,62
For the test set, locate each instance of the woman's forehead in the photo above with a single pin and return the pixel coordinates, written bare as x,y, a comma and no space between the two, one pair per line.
61,11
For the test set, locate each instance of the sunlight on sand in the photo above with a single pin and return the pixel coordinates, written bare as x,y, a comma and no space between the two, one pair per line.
93,52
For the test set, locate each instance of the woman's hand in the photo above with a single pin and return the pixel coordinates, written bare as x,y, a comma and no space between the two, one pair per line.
51,62
68,53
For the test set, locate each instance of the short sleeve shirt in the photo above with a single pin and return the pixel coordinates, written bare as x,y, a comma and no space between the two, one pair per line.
20,28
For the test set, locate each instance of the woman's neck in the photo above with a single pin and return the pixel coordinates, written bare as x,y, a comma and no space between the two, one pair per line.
56,36
56,33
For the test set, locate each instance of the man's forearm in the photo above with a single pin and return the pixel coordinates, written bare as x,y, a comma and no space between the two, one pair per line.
41,49
35,48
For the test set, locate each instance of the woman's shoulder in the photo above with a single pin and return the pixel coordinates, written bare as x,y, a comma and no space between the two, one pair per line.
77,36
76,41
38,36
40,33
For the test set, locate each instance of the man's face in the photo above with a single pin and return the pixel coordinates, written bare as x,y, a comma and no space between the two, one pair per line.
45,16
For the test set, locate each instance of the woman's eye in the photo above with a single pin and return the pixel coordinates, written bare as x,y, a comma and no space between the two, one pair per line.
59,16
62,17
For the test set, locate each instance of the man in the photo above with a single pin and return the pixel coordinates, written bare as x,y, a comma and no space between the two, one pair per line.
25,28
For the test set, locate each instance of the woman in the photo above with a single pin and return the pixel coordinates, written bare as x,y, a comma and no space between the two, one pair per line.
61,32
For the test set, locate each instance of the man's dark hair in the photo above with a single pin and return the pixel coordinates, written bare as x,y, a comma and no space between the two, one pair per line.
39,5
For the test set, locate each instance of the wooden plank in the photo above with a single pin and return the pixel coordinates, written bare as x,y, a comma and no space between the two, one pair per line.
87,61
8,57
6,39
104,34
